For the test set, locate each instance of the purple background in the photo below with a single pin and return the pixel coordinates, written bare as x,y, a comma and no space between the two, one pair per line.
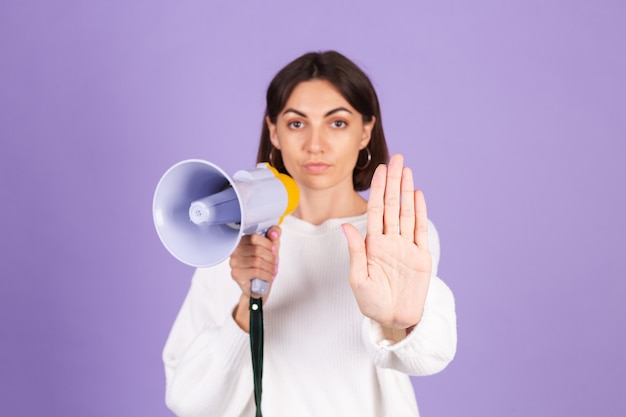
511,113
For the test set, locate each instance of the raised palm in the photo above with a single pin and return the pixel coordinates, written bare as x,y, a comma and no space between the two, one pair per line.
390,270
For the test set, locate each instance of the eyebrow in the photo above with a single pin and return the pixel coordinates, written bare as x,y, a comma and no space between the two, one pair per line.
328,113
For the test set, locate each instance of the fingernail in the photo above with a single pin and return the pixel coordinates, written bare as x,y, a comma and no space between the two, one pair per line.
273,249
273,234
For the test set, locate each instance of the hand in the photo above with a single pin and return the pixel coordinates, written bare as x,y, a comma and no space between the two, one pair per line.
390,270
256,256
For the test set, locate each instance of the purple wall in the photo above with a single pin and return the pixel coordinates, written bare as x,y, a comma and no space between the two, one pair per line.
512,115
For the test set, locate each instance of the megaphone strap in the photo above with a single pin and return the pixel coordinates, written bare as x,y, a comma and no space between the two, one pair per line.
256,347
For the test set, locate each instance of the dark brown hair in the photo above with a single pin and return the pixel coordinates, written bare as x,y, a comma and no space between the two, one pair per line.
354,86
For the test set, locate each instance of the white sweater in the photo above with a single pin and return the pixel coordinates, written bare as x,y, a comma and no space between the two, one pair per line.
321,356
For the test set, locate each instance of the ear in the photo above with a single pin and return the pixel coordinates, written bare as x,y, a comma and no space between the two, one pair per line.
367,132
271,127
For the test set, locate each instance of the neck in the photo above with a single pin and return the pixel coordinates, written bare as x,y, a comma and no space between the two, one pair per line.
317,206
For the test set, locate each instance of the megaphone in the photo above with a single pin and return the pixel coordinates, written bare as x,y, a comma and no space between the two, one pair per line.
201,213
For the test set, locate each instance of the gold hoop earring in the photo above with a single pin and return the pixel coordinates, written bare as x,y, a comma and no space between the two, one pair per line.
270,157
369,159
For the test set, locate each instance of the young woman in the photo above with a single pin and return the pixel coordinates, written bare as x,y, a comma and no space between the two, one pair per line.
355,304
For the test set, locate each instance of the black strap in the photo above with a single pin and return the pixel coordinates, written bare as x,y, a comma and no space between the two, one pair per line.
256,346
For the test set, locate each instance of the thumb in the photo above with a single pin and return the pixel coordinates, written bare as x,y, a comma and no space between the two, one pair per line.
358,255
273,234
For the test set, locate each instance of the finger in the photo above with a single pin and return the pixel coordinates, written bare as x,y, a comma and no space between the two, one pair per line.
358,257
245,273
391,216
273,234
375,204
407,206
421,217
255,247
248,267
255,239
255,254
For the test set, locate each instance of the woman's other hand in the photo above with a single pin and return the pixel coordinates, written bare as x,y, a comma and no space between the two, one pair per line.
390,270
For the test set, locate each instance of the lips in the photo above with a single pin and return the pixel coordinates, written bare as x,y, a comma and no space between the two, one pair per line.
316,167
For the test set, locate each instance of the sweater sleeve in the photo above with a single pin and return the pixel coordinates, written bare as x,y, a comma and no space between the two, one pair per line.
431,346
207,360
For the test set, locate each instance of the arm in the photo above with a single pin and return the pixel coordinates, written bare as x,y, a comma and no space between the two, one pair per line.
393,276
431,345
207,355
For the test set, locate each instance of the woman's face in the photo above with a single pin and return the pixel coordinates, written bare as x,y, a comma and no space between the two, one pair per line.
320,135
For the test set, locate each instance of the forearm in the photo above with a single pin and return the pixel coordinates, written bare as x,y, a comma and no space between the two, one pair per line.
207,356
212,376
241,313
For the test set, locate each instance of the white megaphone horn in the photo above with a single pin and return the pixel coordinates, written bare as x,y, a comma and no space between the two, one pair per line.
201,213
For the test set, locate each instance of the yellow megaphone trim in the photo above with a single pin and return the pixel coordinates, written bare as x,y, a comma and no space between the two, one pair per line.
293,193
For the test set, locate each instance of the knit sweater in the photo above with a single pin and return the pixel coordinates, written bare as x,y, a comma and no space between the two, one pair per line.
322,357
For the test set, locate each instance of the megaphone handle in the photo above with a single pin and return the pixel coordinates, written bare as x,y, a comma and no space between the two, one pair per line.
259,287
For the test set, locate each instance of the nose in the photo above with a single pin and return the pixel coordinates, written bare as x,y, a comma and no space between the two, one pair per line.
316,141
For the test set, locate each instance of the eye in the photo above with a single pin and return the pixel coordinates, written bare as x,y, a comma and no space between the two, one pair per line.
339,124
296,124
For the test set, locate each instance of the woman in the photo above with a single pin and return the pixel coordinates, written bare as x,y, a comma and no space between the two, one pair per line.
347,319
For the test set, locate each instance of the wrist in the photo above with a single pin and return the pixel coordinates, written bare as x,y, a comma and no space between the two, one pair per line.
241,314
